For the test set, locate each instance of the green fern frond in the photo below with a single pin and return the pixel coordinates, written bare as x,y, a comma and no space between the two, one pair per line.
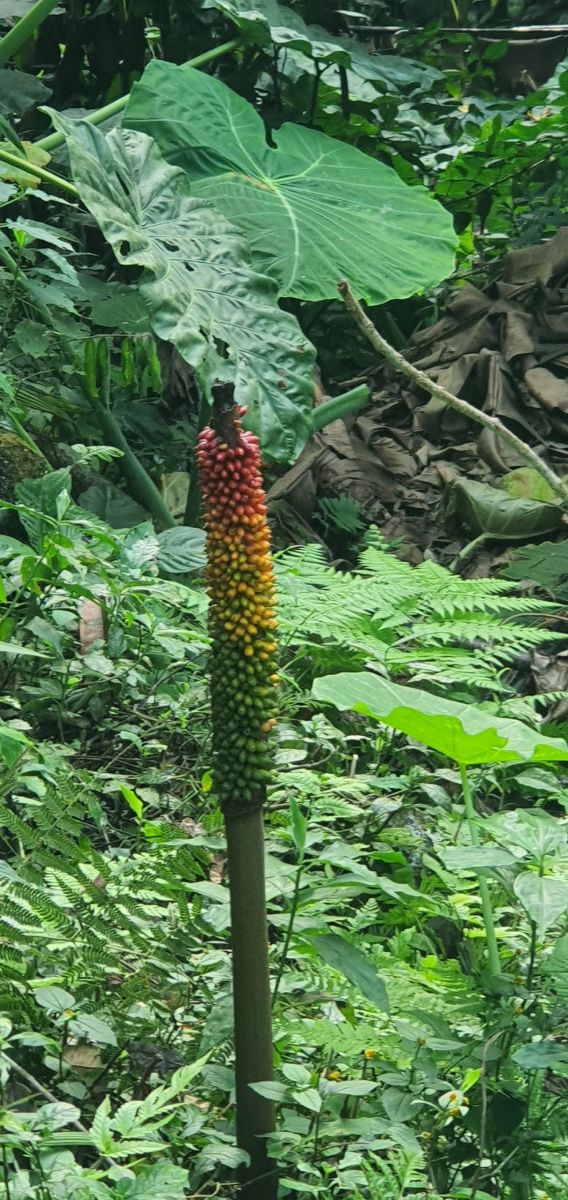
420,622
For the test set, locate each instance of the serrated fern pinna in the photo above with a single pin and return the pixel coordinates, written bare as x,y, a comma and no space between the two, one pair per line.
418,624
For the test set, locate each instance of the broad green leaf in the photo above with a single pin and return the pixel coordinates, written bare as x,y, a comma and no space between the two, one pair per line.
162,1181
93,1028
535,831
461,731
524,483
543,1055
544,898
269,21
355,966
398,1104
20,91
197,282
310,1098
56,1115
219,1024
12,744
296,1073
216,1154
313,209
47,496
54,999
472,858
351,1087
181,550
488,510
11,548
271,1089
15,650
546,564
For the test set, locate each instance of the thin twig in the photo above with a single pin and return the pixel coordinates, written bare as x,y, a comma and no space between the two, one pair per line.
484,1105
422,380
38,1087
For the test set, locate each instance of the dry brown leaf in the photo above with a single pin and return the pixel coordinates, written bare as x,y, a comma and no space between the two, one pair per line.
83,1057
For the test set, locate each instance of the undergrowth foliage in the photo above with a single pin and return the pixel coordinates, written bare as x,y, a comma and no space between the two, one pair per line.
114,916
420,623
417,898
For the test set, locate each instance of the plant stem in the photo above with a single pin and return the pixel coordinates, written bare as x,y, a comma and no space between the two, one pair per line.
469,549
290,928
314,97
38,1087
142,486
193,503
22,281
251,992
532,956
422,380
344,85
17,160
53,140
484,893
340,406
24,29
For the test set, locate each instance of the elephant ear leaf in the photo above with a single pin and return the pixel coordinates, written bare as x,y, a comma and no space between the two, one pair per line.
313,209
201,291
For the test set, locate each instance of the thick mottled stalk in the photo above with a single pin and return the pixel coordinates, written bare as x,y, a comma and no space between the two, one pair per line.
242,624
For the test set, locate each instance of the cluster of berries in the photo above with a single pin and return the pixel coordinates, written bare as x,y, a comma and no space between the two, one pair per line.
242,619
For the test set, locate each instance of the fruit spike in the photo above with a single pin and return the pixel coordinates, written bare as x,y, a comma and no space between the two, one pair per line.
242,619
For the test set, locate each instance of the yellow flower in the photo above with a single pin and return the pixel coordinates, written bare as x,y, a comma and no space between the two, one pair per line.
370,1053
335,1075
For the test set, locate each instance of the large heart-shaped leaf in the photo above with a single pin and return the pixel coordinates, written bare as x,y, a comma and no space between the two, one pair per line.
313,209
545,898
197,283
488,510
272,22
462,732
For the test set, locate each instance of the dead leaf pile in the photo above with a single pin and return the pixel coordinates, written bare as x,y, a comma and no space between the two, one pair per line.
505,350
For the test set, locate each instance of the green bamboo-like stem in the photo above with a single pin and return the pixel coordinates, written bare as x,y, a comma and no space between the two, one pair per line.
252,1001
17,160
484,893
53,140
24,29
339,406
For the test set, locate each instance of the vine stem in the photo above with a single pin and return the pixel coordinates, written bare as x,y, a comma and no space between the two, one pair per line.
397,360
484,893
